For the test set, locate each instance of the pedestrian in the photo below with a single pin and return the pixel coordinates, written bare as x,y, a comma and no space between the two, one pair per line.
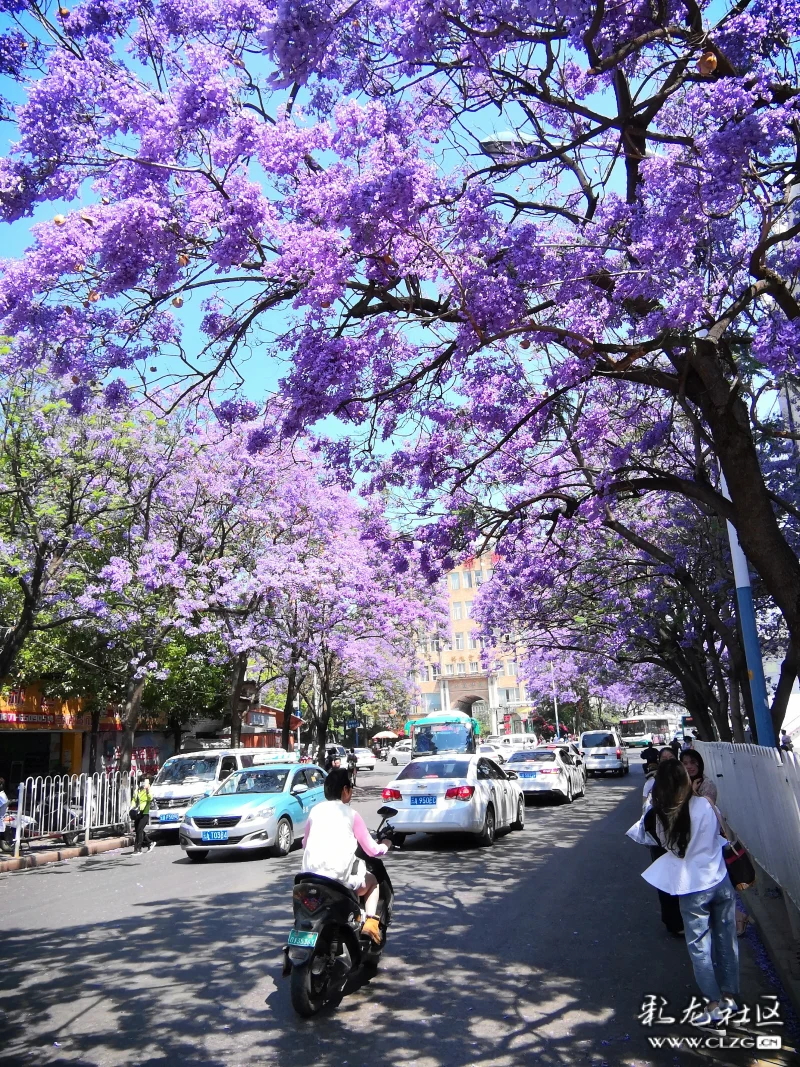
786,742
3,804
650,757
675,745
702,786
666,753
142,799
692,867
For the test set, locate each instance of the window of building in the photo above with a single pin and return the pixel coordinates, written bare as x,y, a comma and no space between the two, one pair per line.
474,642
457,610
467,609
478,578
511,667
435,644
460,641
510,696
448,668
467,579
455,581
474,666
448,645
461,668
435,670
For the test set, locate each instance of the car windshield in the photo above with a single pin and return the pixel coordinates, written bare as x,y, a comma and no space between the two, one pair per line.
445,768
598,740
488,749
441,737
177,771
539,755
255,781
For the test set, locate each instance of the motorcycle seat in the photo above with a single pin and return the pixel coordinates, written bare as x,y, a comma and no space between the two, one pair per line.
331,883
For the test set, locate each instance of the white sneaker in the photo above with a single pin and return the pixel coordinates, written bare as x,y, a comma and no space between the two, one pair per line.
152,846
707,1018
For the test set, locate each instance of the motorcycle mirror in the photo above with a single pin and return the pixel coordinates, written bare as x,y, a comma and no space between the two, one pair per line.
387,812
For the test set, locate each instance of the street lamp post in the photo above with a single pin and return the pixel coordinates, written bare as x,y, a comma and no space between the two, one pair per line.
555,700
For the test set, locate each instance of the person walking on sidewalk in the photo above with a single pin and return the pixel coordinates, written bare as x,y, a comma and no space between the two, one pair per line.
142,799
693,869
702,786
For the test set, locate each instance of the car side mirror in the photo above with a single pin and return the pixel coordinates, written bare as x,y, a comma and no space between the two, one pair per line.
207,793
512,775
298,789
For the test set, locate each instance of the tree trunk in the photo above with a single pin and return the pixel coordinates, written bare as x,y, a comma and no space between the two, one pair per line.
130,717
234,698
324,713
291,693
736,710
94,738
177,732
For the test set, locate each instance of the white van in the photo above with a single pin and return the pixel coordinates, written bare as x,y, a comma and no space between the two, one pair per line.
512,742
188,777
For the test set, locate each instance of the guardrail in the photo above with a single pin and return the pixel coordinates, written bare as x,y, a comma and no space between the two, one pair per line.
759,795
69,807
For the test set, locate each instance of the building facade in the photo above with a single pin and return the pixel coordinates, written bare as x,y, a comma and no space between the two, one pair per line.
458,674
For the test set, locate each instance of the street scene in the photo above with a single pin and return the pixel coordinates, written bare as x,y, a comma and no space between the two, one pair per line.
541,949
400,533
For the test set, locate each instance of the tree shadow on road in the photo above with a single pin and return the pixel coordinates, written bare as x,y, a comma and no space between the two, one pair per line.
518,954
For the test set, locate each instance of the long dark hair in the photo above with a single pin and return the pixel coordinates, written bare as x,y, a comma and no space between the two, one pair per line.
672,791
701,767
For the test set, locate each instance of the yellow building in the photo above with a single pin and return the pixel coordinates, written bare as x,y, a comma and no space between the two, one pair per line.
39,736
457,676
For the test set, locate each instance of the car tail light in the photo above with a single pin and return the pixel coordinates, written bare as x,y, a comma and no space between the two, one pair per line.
550,770
619,753
392,794
460,792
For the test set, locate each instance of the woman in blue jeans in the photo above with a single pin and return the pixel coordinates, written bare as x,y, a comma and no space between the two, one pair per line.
693,869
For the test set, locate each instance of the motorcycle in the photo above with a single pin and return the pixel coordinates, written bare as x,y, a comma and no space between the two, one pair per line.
326,945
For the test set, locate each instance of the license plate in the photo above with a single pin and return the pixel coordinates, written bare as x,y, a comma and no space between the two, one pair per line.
171,816
600,755
214,835
528,774
423,802
303,939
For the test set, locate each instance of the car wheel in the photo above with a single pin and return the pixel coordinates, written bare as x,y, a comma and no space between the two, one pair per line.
568,797
198,856
626,768
486,836
519,822
283,838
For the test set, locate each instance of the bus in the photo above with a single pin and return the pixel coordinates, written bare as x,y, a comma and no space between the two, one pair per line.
448,731
643,730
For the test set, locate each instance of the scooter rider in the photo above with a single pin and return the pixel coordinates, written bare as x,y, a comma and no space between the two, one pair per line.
333,833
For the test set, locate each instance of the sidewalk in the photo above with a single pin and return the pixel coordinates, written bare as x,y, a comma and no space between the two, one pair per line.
50,855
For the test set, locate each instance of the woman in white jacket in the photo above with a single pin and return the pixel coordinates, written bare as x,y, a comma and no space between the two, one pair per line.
693,869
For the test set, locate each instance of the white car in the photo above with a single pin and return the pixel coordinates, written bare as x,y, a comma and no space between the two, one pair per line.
547,771
365,760
400,754
455,793
493,751
577,759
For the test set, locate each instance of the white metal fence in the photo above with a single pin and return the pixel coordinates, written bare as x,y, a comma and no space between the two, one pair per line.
67,808
759,795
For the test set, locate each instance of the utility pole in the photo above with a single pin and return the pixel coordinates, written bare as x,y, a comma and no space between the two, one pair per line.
747,619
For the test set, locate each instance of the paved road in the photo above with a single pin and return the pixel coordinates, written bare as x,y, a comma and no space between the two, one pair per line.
537,951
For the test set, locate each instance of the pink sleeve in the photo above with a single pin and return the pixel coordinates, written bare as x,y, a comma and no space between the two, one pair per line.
372,848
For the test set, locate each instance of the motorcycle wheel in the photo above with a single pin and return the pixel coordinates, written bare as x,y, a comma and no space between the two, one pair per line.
69,839
308,990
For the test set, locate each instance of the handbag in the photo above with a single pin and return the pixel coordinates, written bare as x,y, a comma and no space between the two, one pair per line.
740,867
132,814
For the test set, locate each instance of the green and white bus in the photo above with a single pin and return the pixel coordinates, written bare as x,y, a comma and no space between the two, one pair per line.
642,730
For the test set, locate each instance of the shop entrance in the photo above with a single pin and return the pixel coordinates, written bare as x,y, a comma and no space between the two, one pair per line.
23,755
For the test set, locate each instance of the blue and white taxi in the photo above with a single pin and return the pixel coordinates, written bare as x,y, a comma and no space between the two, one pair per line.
264,806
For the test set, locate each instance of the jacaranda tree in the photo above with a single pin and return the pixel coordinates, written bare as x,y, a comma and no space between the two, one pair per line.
454,219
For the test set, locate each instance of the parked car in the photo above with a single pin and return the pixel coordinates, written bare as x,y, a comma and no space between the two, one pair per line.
577,759
604,752
400,754
511,742
455,793
365,759
547,771
264,806
186,778
493,752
